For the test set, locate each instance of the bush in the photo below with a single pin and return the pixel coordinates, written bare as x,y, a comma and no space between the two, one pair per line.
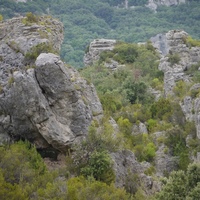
190,42
182,185
1,18
181,88
161,108
80,188
100,167
125,53
21,163
174,58
9,191
35,51
30,18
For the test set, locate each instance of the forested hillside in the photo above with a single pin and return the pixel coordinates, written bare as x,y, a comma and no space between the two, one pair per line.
128,132
85,20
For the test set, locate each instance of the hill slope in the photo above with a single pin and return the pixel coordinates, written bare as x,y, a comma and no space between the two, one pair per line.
88,20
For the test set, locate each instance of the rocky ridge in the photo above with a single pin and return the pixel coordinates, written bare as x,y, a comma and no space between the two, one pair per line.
44,101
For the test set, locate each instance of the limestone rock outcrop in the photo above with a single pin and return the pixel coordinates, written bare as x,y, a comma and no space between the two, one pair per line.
174,43
126,165
46,102
95,49
153,4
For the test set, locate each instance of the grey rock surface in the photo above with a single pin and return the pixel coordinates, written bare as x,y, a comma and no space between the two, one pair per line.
153,4
48,103
173,43
126,165
139,129
164,162
95,49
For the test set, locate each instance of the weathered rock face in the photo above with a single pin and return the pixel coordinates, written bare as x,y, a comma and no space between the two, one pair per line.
153,4
174,43
95,48
126,165
50,104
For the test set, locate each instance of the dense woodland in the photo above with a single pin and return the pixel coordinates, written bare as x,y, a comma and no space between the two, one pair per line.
85,20
125,96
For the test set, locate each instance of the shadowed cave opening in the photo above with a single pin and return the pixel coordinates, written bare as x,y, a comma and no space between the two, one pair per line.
49,152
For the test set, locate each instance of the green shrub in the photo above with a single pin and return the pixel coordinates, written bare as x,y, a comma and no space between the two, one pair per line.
176,142
37,50
1,18
30,18
174,58
100,167
181,88
144,149
190,42
125,53
124,125
161,108
151,125
182,185
21,163
80,188
9,191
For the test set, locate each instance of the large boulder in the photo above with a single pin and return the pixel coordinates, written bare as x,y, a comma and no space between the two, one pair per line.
45,102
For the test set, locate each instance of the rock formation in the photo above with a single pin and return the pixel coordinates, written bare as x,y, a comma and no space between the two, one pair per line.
95,48
153,4
126,165
175,43
44,101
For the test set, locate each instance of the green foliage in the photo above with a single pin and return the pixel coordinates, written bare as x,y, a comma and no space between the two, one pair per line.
181,185
100,167
194,72
9,191
20,162
110,103
124,125
91,157
53,191
125,53
181,88
190,42
35,51
30,18
135,91
24,176
80,188
161,108
1,18
143,147
176,142
175,188
174,58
